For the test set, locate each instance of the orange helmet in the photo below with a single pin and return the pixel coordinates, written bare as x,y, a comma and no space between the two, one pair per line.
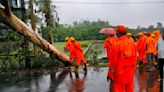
152,35
72,39
66,38
129,34
121,28
140,33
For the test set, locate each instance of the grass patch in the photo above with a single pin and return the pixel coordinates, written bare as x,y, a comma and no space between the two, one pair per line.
103,64
60,45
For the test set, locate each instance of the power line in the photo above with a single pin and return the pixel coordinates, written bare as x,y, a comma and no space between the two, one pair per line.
71,2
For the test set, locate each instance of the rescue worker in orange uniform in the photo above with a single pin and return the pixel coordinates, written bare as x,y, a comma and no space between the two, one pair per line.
141,48
155,41
150,42
157,34
69,47
154,49
108,44
122,66
79,56
130,36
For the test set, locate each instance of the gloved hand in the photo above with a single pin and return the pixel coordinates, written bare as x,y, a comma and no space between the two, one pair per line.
70,60
107,79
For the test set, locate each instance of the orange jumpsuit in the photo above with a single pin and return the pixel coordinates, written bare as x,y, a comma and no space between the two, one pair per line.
122,65
151,47
108,44
154,45
131,39
70,47
155,49
150,44
157,33
79,53
141,48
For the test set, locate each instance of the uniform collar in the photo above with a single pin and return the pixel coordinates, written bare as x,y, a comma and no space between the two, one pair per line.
122,37
111,36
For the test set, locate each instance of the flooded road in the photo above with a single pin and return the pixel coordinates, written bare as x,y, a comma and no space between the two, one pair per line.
65,81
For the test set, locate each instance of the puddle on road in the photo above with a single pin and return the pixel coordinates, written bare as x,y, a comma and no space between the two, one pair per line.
95,81
64,81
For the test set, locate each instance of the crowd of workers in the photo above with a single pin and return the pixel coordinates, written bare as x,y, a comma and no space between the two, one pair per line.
124,54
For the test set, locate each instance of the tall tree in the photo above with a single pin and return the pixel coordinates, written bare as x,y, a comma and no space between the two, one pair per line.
151,28
33,24
159,25
46,7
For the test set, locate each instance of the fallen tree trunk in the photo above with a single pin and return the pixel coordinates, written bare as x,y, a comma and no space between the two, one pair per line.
7,17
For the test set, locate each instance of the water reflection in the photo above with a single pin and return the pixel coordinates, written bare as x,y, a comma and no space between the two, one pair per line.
148,81
94,80
77,83
57,80
32,82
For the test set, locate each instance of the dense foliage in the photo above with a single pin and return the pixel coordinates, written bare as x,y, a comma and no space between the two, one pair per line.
87,30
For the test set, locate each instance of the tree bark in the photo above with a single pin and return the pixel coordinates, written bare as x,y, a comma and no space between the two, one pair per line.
33,24
7,17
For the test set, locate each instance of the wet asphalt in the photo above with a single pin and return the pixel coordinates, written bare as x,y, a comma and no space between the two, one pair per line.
64,80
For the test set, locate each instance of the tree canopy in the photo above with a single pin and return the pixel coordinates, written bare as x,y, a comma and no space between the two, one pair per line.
89,30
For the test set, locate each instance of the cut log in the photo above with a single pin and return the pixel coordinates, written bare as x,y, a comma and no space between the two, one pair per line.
7,17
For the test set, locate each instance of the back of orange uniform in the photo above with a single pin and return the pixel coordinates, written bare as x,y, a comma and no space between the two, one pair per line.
154,46
150,44
108,44
79,53
158,36
124,54
141,48
70,47
131,39
122,66
157,33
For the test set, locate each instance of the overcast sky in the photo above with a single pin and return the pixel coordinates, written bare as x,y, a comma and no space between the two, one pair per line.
128,12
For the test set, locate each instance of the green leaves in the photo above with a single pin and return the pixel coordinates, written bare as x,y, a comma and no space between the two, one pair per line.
83,30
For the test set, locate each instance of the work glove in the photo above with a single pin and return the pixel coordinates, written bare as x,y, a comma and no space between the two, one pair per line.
70,60
108,79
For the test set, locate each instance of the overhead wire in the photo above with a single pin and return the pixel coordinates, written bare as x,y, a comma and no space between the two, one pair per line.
71,2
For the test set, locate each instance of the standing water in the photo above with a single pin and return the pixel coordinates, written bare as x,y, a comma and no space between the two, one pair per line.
65,81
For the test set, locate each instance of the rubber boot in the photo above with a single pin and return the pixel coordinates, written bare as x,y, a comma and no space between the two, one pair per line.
85,67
